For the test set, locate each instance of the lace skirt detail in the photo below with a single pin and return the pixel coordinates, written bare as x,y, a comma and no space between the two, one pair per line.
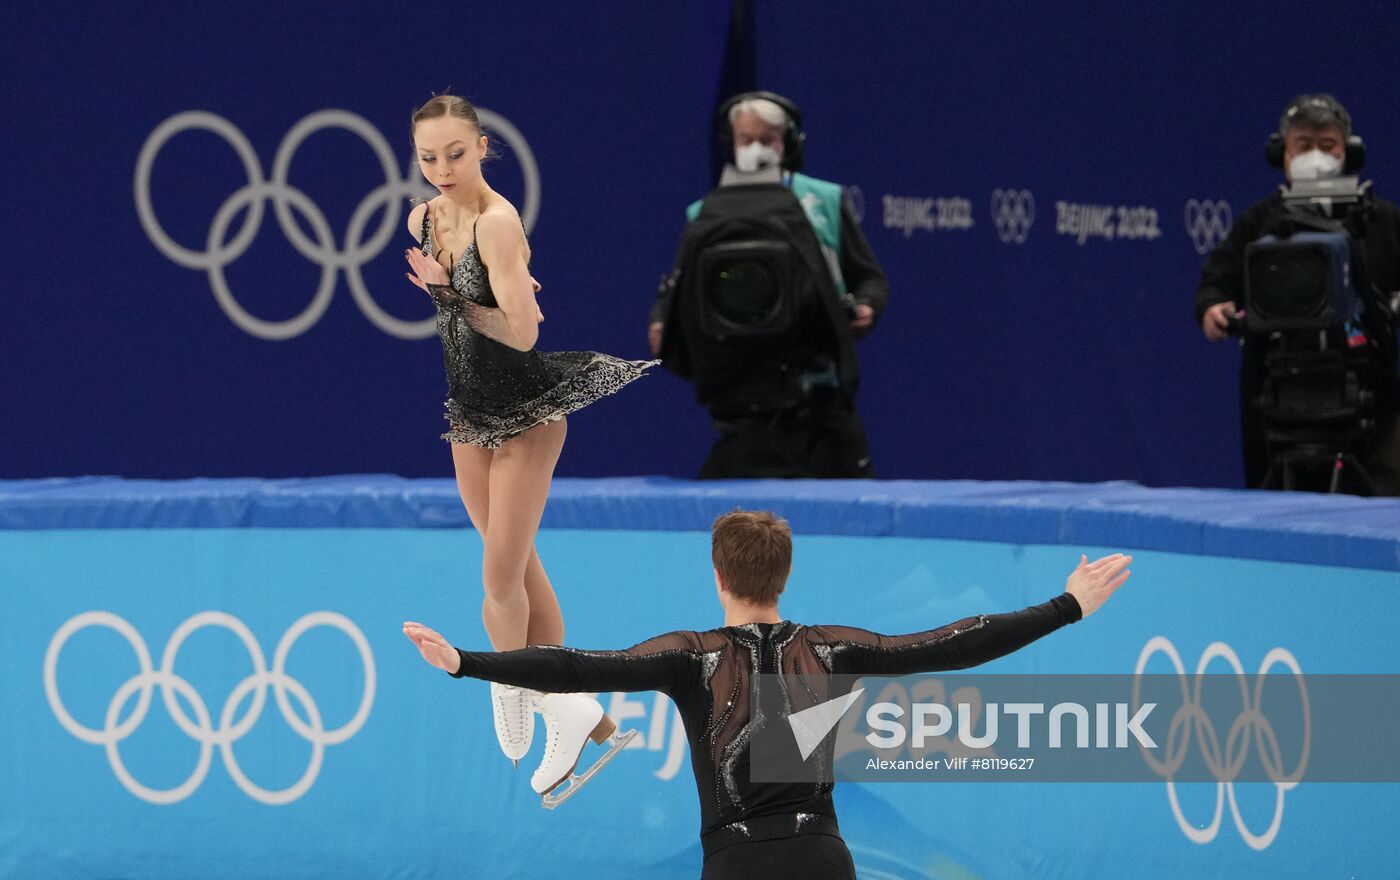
587,376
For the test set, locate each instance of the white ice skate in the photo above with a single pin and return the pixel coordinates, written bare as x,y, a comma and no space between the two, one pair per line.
514,711
571,720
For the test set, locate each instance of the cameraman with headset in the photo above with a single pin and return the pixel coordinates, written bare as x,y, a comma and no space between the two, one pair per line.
772,284
1315,142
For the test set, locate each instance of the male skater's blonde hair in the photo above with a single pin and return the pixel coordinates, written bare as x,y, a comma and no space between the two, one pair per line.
752,551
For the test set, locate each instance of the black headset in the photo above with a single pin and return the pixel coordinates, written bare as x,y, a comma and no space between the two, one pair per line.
1355,147
793,135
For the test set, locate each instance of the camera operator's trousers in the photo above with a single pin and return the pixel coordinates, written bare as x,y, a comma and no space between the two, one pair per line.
825,441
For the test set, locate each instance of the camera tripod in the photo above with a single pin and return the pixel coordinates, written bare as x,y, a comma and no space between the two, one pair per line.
1316,415
1285,465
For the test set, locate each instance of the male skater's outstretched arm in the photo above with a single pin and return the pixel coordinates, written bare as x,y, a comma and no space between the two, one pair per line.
973,640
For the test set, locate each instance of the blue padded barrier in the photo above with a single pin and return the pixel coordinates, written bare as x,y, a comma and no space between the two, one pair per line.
1288,527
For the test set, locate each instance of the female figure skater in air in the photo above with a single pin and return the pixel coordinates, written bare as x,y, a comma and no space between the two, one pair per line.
505,409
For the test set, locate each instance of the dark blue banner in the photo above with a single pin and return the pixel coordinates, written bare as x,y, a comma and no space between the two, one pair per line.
1041,185
205,225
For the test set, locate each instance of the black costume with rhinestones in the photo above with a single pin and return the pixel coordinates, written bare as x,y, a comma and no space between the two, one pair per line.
495,392
708,675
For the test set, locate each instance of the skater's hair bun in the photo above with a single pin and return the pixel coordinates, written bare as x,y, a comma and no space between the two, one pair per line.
752,551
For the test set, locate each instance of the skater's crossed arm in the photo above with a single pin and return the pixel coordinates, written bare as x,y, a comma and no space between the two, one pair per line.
669,663
974,640
504,252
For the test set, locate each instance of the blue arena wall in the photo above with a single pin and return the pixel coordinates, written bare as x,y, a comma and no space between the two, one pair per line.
407,780
1014,347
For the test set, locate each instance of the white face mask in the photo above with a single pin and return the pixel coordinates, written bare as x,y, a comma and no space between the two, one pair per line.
751,157
1314,165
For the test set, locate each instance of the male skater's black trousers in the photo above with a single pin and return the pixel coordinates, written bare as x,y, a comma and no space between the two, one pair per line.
800,857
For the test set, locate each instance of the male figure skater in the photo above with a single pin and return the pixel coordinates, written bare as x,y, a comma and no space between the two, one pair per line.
767,829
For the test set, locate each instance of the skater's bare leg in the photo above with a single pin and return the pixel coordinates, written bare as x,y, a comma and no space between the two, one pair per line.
473,466
546,620
517,488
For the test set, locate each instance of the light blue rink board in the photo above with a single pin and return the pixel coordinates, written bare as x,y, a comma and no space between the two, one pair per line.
415,785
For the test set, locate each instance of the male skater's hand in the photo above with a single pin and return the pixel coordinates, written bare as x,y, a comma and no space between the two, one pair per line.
434,648
1091,583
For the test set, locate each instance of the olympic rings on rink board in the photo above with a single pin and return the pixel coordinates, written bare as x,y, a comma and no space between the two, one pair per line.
1223,763
202,729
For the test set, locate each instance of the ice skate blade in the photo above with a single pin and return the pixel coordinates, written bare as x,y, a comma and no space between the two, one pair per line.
559,792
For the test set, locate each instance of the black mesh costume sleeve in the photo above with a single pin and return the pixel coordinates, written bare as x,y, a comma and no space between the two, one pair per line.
968,642
669,663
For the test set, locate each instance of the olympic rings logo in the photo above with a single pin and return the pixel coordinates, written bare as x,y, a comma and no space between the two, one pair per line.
201,729
219,251
1225,763
1013,212
1207,223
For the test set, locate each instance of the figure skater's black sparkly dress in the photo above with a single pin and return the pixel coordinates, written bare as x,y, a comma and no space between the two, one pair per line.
765,830
495,392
